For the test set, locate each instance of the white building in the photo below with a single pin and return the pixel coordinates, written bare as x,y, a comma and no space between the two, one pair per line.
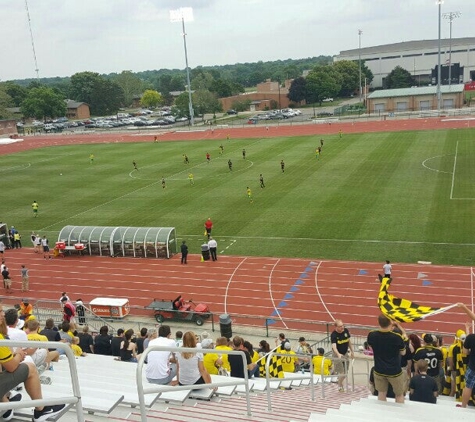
420,58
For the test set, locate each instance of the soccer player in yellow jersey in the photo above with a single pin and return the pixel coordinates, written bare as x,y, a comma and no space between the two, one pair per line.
249,194
190,178
35,207
91,159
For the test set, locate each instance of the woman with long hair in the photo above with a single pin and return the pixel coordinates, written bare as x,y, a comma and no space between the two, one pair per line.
190,367
128,349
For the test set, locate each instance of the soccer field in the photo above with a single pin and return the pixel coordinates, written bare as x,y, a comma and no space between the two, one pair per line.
403,196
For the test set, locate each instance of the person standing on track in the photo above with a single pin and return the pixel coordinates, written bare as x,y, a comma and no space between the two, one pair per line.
387,268
184,252
213,247
208,227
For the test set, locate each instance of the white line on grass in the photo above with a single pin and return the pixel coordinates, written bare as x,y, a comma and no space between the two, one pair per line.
311,239
228,285
432,169
453,172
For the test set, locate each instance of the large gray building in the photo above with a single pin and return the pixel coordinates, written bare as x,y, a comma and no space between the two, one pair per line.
420,58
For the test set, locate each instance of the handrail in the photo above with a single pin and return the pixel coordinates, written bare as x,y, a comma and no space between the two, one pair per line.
164,388
75,399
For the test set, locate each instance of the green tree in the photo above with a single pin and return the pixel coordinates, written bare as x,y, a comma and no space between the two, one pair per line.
298,90
203,80
399,78
131,85
102,95
16,92
322,82
350,76
181,107
5,102
242,105
43,103
150,98
205,101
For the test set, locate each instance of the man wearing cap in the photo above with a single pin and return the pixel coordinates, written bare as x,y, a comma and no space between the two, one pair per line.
288,362
341,344
317,363
432,355
388,347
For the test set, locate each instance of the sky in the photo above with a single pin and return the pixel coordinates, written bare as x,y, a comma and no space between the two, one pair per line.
109,36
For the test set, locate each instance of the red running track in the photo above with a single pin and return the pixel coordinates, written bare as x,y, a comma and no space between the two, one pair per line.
291,291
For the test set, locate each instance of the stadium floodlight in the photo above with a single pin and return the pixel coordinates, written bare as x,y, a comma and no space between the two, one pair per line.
451,16
359,59
185,14
439,68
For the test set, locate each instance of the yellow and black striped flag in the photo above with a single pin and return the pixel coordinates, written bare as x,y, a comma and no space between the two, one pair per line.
403,310
275,366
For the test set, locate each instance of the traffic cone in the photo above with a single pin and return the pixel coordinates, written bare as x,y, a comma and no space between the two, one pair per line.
202,259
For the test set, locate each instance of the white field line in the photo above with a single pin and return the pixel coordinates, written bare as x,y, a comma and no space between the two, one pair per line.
453,172
272,296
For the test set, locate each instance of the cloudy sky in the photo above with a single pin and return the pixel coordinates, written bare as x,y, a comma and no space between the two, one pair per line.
108,36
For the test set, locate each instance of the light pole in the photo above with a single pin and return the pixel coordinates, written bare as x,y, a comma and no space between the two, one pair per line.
359,59
439,69
451,16
181,15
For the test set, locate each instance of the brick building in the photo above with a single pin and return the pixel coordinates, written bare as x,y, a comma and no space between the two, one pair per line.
268,95
77,110
8,128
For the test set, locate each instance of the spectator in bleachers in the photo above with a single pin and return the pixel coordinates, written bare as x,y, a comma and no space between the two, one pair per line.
139,341
102,342
26,309
211,361
128,349
151,334
430,353
388,347
80,312
288,362
317,363
304,349
254,358
14,325
264,348
49,331
456,366
281,340
469,350
179,338
342,347
17,371
116,341
40,356
222,344
422,387
190,367
77,348
161,367
236,362
86,341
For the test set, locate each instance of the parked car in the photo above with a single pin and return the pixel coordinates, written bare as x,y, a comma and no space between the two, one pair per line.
48,127
37,123
252,121
232,112
327,100
324,114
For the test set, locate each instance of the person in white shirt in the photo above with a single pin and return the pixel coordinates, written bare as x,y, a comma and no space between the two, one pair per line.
387,268
161,366
213,246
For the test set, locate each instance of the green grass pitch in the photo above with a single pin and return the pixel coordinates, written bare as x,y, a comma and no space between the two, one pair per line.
403,196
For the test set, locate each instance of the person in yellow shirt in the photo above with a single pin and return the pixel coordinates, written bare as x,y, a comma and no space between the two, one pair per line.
76,348
191,179
288,362
317,363
249,193
222,344
211,361
40,356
